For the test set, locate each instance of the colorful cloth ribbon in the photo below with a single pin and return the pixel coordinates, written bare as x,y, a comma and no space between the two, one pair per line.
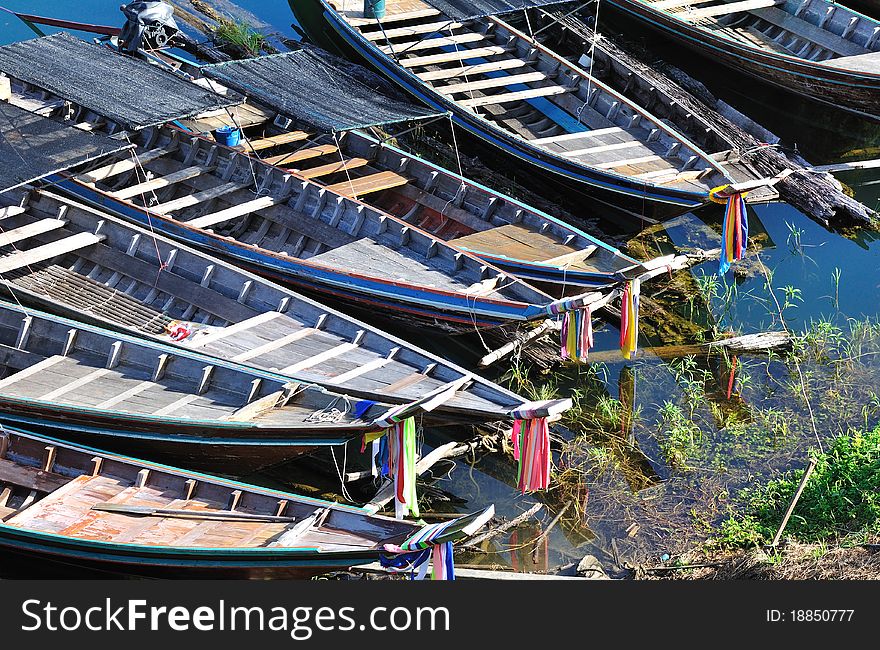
629,319
576,336
531,447
400,464
413,553
735,231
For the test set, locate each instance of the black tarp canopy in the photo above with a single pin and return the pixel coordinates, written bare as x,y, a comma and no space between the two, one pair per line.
130,92
316,88
32,146
467,9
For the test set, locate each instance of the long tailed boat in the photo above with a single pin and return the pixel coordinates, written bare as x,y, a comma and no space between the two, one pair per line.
816,48
147,285
522,97
79,382
286,125
115,515
294,230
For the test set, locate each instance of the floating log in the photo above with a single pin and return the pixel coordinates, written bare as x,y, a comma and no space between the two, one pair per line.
507,525
476,574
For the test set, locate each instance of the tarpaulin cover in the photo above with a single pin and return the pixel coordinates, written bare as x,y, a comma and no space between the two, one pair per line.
130,92
32,147
465,9
315,87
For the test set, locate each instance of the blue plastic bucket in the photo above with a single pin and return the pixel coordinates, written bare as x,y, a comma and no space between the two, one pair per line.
228,135
374,8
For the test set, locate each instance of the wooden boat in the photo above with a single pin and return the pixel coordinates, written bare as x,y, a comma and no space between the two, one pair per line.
505,232
522,97
101,512
816,48
148,286
75,381
294,230
497,228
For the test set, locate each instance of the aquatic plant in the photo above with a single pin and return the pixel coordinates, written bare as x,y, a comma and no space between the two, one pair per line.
240,37
841,500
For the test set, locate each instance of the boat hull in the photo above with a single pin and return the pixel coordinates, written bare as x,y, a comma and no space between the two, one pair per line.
629,195
197,447
82,558
847,90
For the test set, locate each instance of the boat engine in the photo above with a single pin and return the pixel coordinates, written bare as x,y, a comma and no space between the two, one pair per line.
149,25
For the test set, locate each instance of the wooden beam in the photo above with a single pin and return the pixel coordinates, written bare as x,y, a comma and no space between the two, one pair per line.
412,30
116,168
301,154
369,184
161,181
629,161
602,148
471,70
521,95
31,477
274,345
256,408
673,4
176,405
274,140
248,207
131,392
43,226
74,385
24,373
375,364
319,358
39,254
571,258
392,17
199,197
333,168
493,82
432,43
725,9
579,135
460,55
259,319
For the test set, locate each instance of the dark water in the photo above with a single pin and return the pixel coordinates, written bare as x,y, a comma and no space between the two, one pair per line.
629,479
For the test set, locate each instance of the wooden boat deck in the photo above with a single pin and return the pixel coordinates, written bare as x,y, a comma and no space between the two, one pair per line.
818,32
476,67
118,286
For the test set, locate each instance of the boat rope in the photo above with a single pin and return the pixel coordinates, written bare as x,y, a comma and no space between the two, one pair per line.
341,473
463,67
342,160
592,50
141,173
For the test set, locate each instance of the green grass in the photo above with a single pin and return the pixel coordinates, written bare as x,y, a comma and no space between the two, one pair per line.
239,36
841,500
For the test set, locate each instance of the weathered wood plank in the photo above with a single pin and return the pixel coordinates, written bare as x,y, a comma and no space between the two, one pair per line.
24,373
233,212
334,167
274,140
412,30
390,18
432,43
493,82
506,98
369,184
471,70
198,197
27,231
301,154
460,55
116,168
724,9
160,182
45,252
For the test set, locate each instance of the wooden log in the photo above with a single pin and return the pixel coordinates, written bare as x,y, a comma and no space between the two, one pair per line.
386,494
507,525
475,574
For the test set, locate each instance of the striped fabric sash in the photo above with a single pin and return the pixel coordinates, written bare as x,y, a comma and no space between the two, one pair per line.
629,319
531,447
576,336
396,457
735,231
441,553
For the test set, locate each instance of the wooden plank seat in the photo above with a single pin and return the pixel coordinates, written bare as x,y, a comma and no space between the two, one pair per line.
198,197
593,151
628,161
470,70
412,30
809,32
369,184
459,55
579,135
356,18
27,231
333,168
273,141
161,181
31,478
521,95
432,43
20,259
301,154
121,166
11,211
233,212
515,241
494,82
688,13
